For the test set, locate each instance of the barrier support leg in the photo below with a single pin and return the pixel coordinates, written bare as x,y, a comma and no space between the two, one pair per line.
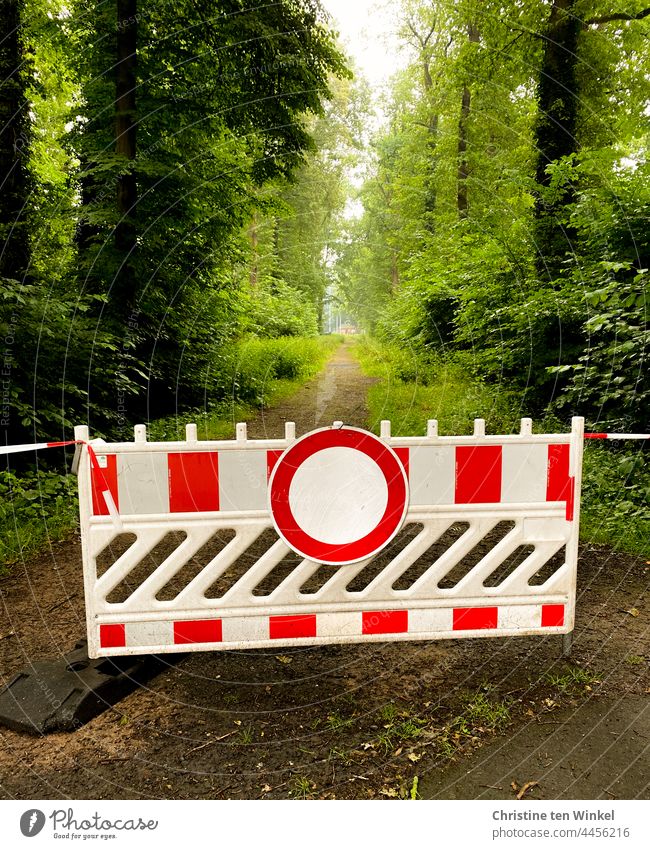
567,644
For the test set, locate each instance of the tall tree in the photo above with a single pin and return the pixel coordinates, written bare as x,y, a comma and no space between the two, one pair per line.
126,123
15,142
555,135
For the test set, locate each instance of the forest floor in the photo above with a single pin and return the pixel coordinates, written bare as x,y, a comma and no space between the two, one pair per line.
458,719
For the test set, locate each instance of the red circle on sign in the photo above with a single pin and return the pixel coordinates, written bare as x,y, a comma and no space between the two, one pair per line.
371,448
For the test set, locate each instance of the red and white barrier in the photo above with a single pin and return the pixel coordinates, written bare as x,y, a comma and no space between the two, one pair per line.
180,495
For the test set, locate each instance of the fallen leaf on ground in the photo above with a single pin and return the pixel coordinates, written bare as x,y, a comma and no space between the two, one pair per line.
283,658
633,611
527,786
389,791
267,788
413,757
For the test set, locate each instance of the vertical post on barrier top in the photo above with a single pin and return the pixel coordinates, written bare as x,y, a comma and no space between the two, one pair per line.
526,428
82,435
432,428
384,430
241,432
576,450
190,433
479,427
290,431
140,433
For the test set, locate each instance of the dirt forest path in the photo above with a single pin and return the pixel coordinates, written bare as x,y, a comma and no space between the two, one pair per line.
468,718
338,393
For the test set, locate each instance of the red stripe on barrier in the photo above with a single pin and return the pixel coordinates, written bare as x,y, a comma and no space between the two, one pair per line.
403,454
272,457
193,481
596,435
552,615
475,618
385,622
478,474
112,636
560,486
570,499
283,627
109,475
557,476
198,631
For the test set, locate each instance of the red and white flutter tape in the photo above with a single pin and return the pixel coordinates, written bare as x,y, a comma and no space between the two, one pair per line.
617,435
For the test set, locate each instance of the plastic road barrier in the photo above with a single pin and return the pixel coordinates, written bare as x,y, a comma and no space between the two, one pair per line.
337,537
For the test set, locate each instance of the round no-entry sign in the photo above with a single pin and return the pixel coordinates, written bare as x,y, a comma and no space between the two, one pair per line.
338,495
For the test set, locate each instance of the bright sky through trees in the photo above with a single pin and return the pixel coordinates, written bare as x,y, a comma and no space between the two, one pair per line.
367,29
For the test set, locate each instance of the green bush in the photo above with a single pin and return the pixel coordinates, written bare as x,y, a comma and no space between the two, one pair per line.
36,507
256,364
278,310
616,497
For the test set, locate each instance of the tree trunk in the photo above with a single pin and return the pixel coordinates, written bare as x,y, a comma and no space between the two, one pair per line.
254,276
15,137
430,193
394,272
555,133
125,146
463,165
462,200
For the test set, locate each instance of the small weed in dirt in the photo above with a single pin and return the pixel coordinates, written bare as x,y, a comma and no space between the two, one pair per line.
572,680
336,721
480,715
337,753
245,735
635,659
301,787
397,733
483,713
388,712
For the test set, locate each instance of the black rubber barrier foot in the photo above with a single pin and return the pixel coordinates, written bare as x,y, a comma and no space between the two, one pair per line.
65,694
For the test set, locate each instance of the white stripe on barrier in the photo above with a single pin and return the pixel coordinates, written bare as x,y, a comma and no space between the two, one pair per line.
432,474
525,469
143,483
243,478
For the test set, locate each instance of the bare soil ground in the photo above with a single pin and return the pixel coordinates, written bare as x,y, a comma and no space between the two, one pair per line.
467,718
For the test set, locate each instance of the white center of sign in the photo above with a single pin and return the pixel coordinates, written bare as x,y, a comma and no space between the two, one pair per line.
338,495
